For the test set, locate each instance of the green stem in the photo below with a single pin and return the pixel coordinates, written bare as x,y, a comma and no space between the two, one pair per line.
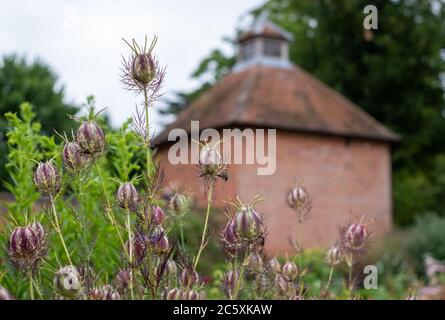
82,220
59,231
181,230
147,128
240,278
108,206
328,284
204,231
31,286
130,254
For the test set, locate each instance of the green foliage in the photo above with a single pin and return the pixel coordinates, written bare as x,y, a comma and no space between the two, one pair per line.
37,84
426,237
394,74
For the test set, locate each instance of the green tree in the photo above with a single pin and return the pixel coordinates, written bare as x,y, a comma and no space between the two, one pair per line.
36,83
395,73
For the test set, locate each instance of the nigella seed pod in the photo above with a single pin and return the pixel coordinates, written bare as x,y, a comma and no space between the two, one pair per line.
112,295
96,294
274,265
190,295
4,294
27,246
297,197
173,294
230,281
290,270
210,160
161,246
254,263
67,281
127,196
90,138
281,284
334,256
47,179
138,247
179,204
249,224
158,215
172,269
143,68
356,236
229,234
73,157
122,280
189,278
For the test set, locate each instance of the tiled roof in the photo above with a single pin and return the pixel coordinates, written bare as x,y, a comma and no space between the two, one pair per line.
281,98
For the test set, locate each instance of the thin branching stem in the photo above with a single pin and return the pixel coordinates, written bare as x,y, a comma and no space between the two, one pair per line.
59,230
130,252
204,231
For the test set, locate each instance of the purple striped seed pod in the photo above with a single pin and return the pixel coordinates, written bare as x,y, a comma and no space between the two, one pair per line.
281,284
90,138
230,282
143,68
96,294
173,294
229,234
47,179
297,197
274,265
161,246
139,248
26,245
249,224
189,278
127,196
5,295
158,215
67,281
356,236
255,263
74,158
122,280
190,295
112,294
290,270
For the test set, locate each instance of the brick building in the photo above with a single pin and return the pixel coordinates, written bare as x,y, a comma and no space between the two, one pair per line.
338,152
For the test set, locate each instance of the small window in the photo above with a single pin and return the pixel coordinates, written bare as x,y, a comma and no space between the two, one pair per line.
247,50
272,48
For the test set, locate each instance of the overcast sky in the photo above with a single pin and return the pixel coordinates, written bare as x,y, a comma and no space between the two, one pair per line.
81,40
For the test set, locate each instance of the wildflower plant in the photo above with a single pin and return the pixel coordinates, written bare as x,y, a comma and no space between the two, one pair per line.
91,218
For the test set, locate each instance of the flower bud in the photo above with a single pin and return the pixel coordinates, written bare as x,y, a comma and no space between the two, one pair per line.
27,245
179,204
73,157
290,270
189,278
275,265
4,294
143,68
47,179
356,236
90,138
210,160
158,215
96,294
67,281
173,294
333,256
249,224
230,281
190,295
127,196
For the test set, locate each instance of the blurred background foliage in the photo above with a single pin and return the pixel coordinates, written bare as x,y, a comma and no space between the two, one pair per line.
395,73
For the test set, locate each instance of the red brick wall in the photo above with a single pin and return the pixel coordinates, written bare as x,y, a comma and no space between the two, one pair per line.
341,176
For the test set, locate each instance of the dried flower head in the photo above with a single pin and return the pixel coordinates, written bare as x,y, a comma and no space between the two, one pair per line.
355,236
334,256
91,138
290,270
173,294
74,159
299,201
189,278
274,265
47,178
249,224
179,203
67,281
27,246
141,71
211,163
127,196
96,294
